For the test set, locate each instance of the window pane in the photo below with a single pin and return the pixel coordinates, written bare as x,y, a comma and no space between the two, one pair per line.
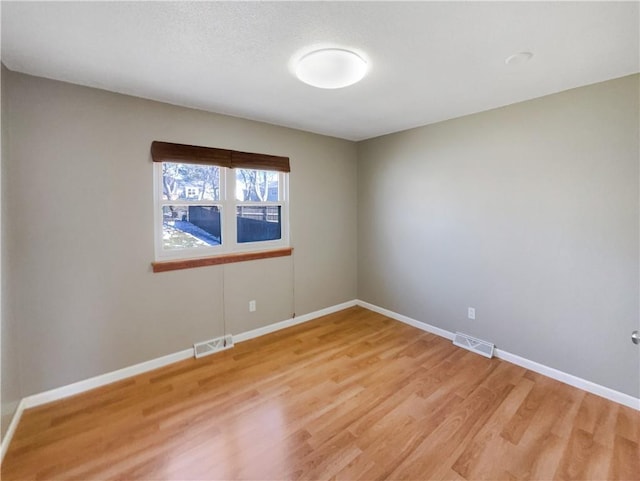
258,223
190,182
190,226
256,185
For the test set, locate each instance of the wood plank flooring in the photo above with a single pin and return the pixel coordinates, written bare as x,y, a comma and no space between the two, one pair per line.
353,395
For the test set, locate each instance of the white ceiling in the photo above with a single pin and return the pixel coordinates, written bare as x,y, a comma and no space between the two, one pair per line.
430,61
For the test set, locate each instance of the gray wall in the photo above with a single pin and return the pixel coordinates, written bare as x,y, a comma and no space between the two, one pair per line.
10,378
529,213
79,223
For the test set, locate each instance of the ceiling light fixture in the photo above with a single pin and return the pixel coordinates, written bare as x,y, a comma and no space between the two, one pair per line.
331,68
518,58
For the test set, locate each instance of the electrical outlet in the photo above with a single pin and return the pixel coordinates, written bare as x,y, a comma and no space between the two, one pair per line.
252,306
471,313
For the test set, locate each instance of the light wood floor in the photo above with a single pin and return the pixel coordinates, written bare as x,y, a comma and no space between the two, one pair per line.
353,395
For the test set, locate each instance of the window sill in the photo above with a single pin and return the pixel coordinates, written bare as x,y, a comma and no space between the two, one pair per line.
164,266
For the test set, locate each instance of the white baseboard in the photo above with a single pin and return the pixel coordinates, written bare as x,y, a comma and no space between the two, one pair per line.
571,380
561,376
261,331
104,379
86,385
6,439
407,320
111,377
108,378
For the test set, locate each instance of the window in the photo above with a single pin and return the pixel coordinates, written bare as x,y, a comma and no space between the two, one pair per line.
258,207
190,222
205,209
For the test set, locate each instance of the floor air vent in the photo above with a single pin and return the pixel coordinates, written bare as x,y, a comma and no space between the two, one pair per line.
214,345
479,346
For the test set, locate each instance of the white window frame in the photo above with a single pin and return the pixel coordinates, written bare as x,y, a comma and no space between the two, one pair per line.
228,207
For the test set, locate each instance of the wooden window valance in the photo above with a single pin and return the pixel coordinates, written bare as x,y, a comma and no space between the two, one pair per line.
193,154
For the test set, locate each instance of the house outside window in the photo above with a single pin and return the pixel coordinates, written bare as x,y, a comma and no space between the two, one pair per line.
191,192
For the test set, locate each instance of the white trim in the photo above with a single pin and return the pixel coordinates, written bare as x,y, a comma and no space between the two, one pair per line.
104,379
407,320
227,204
261,331
86,385
571,380
110,377
6,439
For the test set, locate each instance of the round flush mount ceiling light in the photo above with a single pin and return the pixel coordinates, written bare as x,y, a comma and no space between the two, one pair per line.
331,68
518,58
